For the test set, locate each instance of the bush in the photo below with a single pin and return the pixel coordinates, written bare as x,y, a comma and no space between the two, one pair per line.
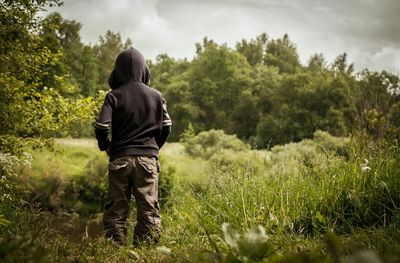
166,182
209,143
327,142
48,190
310,153
245,164
90,187
81,129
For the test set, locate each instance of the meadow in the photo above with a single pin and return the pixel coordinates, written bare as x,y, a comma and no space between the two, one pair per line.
319,200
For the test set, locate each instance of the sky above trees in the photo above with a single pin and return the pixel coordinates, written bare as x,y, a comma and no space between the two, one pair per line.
368,30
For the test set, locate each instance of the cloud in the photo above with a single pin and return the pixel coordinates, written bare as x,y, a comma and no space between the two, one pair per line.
386,58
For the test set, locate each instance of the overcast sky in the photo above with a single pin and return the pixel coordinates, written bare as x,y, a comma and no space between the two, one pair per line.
368,30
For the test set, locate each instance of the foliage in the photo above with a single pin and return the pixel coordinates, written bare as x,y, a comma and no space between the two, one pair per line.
281,53
299,192
272,99
29,107
217,77
10,190
253,245
209,143
377,109
89,188
166,182
259,90
254,50
304,103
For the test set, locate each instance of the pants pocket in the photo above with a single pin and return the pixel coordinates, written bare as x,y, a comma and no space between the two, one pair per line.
118,164
148,163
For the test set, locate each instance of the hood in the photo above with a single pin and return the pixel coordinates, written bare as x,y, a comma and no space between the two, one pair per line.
130,65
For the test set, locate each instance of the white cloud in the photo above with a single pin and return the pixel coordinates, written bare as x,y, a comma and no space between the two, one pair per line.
387,58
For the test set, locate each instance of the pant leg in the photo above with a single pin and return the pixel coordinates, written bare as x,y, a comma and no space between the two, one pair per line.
117,205
145,190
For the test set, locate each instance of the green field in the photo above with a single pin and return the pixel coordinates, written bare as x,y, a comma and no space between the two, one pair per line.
303,202
70,156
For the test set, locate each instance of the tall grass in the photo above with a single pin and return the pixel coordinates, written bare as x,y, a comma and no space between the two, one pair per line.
284,201
304,189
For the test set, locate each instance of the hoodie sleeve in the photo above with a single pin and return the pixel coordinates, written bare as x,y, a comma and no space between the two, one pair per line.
166,126
166,118
103,122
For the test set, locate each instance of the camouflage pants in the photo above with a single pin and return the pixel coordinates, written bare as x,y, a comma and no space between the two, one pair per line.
137,175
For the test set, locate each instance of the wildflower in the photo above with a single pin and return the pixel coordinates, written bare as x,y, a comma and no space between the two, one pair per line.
364,166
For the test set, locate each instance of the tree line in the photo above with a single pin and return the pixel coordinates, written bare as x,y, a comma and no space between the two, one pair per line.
259,90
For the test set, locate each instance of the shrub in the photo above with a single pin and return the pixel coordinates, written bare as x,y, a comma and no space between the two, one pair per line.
11,191
81,129
327,142
245,164
48,189
309,153
166,182
208,143
90,187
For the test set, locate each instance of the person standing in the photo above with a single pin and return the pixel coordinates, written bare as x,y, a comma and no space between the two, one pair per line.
137,117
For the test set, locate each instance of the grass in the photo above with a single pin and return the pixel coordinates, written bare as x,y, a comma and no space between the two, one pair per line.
188,170
309,197
71,157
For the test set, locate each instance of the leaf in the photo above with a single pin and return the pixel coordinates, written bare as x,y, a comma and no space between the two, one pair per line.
163,250
133,254
3,221
230,235
254,244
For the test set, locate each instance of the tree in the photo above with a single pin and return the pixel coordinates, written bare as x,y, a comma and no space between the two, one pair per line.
170,77
90,72
109,46
301,104
200,47
77,61
282,54
253,50
166,70
180,107
30,111
217,77
341,66
378,104
316,63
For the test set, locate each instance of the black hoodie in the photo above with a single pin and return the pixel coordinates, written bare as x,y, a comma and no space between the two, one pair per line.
138,113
